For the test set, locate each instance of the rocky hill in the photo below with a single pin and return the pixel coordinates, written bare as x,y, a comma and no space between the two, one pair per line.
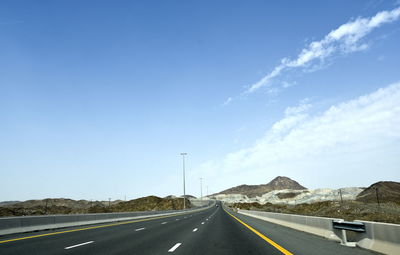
60,202
282,182
387,191
69,206
6,203
151,203
188,196
279,183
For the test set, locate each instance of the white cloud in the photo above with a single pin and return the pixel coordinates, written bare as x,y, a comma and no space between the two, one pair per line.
303,106
227,101
344,39
286,84
352,143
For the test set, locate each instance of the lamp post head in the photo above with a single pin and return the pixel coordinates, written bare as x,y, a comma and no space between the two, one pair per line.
183,153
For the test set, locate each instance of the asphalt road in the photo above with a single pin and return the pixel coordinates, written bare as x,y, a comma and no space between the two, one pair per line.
211,231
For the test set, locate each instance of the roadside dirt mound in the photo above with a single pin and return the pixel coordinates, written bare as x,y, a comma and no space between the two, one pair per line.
383,191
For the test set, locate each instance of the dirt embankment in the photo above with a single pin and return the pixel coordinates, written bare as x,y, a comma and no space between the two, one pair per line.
348,210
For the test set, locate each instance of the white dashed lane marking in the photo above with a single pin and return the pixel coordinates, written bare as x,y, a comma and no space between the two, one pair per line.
139,229
194,230
77,245
174,247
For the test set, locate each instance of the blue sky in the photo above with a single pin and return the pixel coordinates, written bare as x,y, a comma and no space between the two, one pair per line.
98,98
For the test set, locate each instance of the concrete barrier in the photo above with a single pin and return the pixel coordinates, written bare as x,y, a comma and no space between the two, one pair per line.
315,225
22,224
380,237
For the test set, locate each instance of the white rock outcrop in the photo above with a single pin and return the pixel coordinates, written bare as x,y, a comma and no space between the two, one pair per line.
295,196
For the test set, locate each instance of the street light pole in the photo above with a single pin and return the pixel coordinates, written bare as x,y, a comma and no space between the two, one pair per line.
184,189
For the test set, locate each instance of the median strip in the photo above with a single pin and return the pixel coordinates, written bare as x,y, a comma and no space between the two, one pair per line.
277,246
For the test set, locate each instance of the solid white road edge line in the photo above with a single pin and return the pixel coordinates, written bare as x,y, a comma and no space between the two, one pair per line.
194,230
139,229
174,247
76,245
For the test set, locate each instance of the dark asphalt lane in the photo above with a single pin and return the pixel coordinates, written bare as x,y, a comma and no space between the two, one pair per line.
222,234
211,231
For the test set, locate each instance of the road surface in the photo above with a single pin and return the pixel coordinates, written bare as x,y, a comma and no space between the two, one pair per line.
211,231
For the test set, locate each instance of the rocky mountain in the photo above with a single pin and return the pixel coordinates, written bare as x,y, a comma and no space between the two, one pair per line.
170,196
282,182
387,191
149,203
188,196
58,202
279,183
6,203
69,206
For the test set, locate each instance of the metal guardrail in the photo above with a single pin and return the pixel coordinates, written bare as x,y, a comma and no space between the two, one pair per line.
349,225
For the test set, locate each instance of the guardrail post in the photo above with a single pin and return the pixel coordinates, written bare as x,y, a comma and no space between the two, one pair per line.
343,238
341,226
341,233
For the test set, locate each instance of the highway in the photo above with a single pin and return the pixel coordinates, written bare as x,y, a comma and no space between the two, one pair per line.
214,230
